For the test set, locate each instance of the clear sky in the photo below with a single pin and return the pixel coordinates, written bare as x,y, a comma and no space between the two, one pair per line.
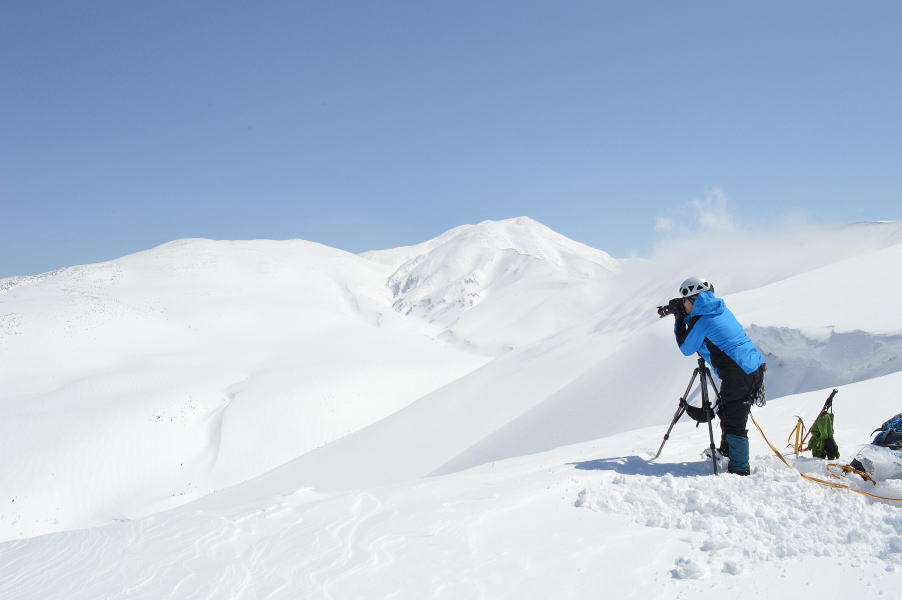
366,125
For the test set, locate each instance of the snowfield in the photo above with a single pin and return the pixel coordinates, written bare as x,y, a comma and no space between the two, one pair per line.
562,524
471,417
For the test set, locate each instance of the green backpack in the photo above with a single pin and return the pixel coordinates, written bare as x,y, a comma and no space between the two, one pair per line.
822,444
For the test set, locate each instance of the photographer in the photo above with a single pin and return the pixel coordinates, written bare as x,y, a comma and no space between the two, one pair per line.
705,325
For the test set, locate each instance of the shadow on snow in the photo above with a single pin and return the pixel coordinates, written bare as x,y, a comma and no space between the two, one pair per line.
635,465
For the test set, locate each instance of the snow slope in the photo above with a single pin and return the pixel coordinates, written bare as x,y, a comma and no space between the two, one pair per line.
137,384
595,519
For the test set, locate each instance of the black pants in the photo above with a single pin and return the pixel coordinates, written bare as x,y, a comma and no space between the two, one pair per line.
736,395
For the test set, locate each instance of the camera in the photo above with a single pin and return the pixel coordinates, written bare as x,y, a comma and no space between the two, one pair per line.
674,307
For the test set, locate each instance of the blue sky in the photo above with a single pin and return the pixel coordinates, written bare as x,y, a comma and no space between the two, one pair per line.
368,125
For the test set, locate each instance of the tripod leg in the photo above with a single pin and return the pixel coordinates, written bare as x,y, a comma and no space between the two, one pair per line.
713,456
714,387
716,395
706,405
689,387
679,412
676,417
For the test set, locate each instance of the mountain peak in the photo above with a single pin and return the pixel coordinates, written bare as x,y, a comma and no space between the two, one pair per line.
442,279
523,221
520,233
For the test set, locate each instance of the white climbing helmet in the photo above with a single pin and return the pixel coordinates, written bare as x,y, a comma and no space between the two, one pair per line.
694,285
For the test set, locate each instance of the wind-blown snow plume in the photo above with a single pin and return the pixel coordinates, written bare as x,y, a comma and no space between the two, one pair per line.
707,239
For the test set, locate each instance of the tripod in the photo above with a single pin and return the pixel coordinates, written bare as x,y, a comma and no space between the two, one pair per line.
704,375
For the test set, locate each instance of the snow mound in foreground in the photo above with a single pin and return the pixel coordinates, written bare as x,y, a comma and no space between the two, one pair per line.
771,516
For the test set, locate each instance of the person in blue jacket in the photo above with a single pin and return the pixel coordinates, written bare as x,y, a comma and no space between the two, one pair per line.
707,327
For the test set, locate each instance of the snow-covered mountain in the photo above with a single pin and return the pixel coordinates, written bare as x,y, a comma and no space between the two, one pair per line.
138,384
499,284
144,383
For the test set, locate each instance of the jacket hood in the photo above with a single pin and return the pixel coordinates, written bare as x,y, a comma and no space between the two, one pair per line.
706,304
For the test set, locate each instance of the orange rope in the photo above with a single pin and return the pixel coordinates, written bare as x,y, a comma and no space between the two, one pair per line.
832,484
798,432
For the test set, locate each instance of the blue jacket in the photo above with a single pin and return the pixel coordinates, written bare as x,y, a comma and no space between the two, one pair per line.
712,331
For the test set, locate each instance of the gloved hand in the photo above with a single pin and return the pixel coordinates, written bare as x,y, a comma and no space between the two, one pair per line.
676,308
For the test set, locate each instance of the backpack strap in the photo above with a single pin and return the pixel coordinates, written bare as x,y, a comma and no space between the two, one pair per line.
895,423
